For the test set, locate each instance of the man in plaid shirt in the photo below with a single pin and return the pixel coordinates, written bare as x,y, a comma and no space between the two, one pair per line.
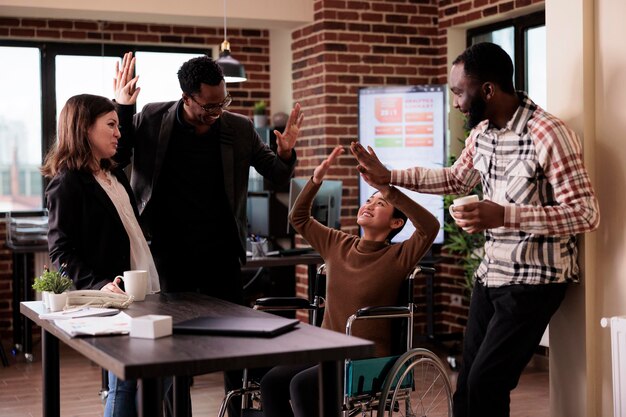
538,198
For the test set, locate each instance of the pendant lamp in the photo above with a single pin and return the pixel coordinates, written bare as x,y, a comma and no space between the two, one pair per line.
233,71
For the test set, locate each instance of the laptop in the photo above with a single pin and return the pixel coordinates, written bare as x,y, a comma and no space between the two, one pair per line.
236,326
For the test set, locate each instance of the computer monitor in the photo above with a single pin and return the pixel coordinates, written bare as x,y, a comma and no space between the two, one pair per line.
327,203
406,127
258,210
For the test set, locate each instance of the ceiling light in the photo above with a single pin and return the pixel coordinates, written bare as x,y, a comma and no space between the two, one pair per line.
233,71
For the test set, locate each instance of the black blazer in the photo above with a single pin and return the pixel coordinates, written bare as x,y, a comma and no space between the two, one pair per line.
85,230
146,135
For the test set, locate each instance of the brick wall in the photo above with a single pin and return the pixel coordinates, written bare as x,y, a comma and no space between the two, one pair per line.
357,43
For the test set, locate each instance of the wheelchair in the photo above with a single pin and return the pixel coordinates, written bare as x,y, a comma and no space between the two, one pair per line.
412,384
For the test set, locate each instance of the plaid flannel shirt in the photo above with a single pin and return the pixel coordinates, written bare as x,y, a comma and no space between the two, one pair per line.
534,168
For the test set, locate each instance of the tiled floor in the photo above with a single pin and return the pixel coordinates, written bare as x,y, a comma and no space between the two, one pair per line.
20,389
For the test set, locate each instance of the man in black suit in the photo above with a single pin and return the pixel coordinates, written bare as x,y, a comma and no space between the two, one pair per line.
190,165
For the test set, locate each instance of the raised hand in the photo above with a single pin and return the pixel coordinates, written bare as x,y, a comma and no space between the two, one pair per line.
286,141
124,84
372,170
320,171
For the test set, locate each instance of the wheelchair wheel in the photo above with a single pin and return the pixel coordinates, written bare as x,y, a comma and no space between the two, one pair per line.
417,386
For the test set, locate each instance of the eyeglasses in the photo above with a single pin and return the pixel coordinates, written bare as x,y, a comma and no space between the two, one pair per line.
214,108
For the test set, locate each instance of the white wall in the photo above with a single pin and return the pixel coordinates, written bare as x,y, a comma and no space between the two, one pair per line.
587,83
610,161
569,76
281,58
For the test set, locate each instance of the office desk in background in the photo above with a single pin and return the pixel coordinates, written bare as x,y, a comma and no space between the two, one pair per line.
22,289
311,260
187,355
26,235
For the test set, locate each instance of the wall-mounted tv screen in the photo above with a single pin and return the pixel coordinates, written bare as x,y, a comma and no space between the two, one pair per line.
326,206
406,127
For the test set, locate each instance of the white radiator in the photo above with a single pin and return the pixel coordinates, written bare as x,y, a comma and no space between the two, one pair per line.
618,357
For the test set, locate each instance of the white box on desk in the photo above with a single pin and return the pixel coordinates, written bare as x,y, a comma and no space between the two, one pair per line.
151,326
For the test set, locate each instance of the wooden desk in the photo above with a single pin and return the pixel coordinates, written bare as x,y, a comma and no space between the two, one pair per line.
188,355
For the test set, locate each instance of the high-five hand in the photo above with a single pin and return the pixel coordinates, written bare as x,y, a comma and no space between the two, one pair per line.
320,171
286,141
372,170
124,84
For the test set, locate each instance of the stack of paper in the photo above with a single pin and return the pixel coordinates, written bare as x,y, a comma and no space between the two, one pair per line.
95,326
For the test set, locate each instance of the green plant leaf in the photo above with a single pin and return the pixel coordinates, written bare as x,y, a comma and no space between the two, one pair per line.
259,107
52,281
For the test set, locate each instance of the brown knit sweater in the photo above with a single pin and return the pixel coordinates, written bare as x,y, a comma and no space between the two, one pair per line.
363,272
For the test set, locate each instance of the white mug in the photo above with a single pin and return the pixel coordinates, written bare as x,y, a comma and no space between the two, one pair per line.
461,201
135,284
466,200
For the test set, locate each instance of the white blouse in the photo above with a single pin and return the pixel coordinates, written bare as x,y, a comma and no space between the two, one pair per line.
140,256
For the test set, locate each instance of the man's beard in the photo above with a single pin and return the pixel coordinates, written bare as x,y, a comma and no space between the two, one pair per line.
477,109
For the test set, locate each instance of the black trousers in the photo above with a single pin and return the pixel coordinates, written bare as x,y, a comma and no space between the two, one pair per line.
202,277
291,391
504,328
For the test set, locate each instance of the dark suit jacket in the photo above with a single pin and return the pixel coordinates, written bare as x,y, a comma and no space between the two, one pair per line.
148,133
85,230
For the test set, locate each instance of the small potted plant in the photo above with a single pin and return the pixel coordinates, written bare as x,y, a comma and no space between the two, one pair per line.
260,116
54,286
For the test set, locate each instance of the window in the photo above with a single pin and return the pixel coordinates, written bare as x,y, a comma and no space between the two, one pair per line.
36,86
83,74
535,81
159,75
20,125
524,39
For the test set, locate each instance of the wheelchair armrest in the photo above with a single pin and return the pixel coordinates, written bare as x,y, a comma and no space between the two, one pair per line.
294,303
421,269
381,311
428,269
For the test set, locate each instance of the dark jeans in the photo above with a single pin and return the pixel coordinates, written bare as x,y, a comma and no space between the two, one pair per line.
296,383
504,328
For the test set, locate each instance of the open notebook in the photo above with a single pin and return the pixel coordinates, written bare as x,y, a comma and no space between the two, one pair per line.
237,326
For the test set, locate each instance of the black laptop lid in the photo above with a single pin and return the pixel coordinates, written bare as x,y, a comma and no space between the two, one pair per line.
237,326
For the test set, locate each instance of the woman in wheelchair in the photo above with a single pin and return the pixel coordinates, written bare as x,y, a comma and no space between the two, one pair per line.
360,271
